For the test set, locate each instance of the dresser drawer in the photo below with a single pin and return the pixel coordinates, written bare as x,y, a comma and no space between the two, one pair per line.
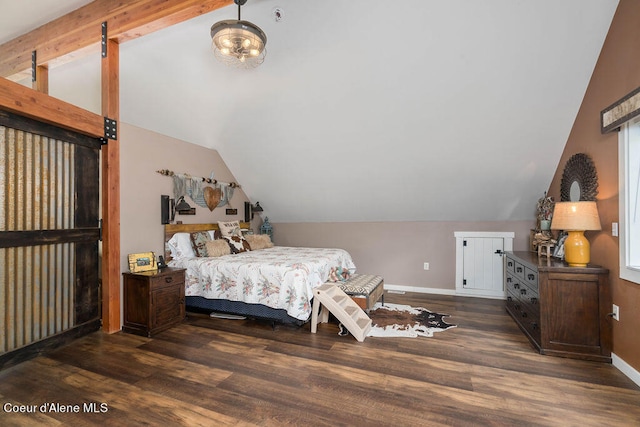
512,302
525,317
510,265
532,325
531,277
519,270
511,283
529,299
533,301
513,288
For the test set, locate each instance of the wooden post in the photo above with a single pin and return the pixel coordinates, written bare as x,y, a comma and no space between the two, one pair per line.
111,193
42,79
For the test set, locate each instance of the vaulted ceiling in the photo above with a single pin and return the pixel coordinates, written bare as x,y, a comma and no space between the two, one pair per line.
364,110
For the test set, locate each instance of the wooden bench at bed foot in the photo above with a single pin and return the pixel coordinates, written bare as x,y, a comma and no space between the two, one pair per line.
364,289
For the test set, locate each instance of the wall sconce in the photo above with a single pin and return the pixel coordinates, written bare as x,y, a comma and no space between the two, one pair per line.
250,209
575,218
167,209
184,208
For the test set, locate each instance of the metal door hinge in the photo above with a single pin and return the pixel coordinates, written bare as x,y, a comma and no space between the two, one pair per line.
104,39
110,128
34,65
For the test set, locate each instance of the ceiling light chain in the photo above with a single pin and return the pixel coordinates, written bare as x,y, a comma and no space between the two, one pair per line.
238,43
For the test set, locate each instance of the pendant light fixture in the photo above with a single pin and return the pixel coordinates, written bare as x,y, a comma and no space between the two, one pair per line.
238,43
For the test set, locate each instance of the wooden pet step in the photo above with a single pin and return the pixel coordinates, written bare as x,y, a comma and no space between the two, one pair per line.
330,298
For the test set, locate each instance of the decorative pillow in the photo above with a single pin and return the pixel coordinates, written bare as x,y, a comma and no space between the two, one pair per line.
339,274
259,241
199,241
216,248
230,228
180,246
237,244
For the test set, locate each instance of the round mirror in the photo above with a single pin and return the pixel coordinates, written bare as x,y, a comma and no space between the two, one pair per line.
579,180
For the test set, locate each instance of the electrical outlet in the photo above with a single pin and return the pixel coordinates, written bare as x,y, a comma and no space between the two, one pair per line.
616,312
614,229
426,265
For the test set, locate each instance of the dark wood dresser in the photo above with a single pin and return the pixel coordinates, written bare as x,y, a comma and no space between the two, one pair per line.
564,311
153,300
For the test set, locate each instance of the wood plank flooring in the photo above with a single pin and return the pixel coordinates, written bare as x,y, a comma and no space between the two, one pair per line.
212,372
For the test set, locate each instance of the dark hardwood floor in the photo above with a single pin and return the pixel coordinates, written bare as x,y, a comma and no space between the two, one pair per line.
240,372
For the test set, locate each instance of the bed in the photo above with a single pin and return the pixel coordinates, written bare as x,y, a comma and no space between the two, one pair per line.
274,283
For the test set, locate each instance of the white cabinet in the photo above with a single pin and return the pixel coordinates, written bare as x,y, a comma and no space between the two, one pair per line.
480,262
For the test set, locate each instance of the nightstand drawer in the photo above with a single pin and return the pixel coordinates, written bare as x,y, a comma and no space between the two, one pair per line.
170,279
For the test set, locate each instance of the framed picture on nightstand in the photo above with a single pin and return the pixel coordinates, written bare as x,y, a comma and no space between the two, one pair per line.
145,261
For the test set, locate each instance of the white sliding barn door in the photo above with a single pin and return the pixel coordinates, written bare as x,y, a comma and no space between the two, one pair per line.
480,263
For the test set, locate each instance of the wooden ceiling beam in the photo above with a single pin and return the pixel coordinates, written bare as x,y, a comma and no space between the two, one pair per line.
26,102
79,33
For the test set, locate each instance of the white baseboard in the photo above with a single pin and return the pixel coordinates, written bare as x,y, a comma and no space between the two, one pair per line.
625,368
437,291
484,293
420,290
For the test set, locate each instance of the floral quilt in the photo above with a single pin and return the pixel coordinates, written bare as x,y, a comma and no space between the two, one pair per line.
279,277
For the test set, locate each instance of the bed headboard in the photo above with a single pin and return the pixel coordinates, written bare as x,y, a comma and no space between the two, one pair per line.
171,229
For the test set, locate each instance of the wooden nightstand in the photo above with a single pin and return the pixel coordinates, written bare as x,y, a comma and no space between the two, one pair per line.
153,300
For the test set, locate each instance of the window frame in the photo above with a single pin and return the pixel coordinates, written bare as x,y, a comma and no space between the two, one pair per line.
627,271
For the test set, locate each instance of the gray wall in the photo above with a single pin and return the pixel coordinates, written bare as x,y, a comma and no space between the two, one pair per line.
398,250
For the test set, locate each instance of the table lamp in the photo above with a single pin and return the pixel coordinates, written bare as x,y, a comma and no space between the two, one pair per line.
575,218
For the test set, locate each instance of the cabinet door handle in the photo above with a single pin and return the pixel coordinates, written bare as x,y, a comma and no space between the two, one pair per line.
523,291
516,286
534,325
524,314
519,269
509,298
534,300
168,279
531,276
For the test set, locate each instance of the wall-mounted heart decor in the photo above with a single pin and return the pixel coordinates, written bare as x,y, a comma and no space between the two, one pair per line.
212,197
